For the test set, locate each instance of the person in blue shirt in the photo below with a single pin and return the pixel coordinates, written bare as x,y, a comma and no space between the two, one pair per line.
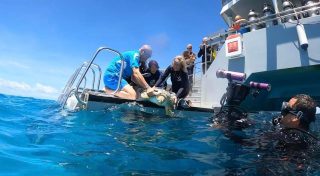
132,61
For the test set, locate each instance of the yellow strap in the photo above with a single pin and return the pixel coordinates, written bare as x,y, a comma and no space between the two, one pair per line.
213,54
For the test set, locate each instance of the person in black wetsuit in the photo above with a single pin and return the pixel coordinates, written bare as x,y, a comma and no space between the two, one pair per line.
292,143
299,112
205,53
179,77
153,74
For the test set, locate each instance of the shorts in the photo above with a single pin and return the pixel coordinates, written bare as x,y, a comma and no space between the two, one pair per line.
111,82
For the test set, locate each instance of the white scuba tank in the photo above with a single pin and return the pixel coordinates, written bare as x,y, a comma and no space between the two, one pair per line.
252,17
302,36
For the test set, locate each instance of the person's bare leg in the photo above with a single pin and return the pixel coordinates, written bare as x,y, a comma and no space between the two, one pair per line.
127,92
130,93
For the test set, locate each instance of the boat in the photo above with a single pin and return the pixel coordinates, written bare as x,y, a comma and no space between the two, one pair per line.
280,48
78,95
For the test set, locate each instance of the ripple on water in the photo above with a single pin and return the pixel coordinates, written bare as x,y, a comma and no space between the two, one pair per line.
38,138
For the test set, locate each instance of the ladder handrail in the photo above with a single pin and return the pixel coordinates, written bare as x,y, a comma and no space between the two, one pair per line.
100,73
195,64
69,84
89,66
67,89
93,73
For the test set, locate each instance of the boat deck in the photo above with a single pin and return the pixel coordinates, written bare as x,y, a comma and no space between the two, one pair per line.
101,98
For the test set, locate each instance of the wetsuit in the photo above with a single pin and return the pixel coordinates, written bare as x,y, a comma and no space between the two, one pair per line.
179,79
111,75
202,52
152,78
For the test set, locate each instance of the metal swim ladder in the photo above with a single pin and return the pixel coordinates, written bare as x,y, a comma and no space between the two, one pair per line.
80,74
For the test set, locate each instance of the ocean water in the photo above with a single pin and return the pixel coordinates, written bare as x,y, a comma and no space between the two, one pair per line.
37,138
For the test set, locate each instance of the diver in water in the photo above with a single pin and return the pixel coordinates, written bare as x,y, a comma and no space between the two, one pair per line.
291,142
298,113
293,137
295,119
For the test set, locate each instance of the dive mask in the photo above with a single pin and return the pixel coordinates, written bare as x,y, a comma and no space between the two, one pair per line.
285,108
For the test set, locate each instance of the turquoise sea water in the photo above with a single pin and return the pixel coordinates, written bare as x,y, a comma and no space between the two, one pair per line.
37,138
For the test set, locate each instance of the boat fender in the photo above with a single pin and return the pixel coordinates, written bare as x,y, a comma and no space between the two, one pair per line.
302,36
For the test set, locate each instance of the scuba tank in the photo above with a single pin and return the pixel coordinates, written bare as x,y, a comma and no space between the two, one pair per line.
312,12
252,17
302,36
287,5
268,12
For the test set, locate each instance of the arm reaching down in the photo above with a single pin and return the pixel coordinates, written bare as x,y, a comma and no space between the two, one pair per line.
181,93
163,77
139,79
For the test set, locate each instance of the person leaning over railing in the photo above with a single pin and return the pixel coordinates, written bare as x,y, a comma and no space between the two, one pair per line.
239,25
132,60
190,57
179,77
205,53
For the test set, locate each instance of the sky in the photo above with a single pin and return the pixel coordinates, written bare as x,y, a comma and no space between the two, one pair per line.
42,42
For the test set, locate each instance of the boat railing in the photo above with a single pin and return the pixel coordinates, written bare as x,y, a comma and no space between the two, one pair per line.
296,12
219,38
69,89
80,75
94,76
197,70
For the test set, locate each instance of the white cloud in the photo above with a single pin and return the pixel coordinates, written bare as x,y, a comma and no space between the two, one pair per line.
20,86
46,89
10,63
18,65
159,41
23,89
